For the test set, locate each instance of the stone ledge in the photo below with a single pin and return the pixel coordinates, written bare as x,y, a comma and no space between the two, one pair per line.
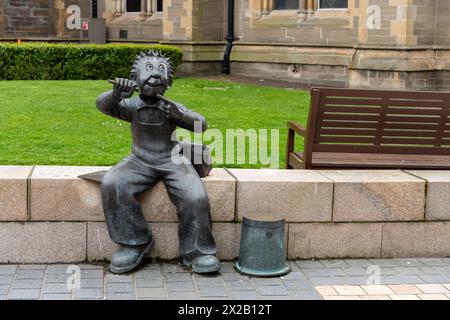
42,242
66,242
334,240
58,195
438,193
369,240
421,239
13,192
394,60
376,58
298,195
376,195
330,213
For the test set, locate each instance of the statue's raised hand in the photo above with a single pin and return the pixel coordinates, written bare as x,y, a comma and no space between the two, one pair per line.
123,88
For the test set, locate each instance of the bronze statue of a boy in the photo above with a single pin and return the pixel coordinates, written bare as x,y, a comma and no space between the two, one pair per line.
153,122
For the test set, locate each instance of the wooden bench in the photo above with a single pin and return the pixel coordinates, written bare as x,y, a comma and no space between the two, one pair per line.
373,129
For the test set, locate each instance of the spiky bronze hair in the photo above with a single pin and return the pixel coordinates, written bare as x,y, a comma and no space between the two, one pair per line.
152,53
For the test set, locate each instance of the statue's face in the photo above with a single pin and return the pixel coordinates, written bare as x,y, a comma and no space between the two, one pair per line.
152,76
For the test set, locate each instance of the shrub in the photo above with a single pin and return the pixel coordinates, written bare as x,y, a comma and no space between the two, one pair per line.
44,61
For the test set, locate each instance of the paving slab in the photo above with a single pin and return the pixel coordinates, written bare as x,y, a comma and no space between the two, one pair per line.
279,290
56,296
305,295
176,283
245,295
92,283
88,293
27,284
8,269
180,295
119,287
151,293
56,288
24,294
213,291
4,289
58,269
239,285
180,286
119,296
30,274
6,278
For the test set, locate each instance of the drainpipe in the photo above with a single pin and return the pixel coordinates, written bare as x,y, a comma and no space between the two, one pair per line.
229,38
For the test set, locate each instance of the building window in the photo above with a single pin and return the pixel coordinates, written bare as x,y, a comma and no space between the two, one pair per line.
285,4
333,4
159,5
133,6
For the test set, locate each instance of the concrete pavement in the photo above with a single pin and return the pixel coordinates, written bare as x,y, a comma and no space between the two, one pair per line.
397,279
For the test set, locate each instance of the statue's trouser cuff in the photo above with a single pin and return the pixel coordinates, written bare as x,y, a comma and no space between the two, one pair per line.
194,233
123,213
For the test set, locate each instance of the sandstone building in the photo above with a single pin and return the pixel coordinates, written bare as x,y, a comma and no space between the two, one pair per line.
402,44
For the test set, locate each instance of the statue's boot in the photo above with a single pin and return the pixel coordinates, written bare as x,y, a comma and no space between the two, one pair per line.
203,264
127,258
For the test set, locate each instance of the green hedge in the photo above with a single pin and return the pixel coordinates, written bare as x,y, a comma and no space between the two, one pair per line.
43,61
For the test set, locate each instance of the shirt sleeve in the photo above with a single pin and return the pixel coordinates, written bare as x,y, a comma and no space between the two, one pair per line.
120,109
192,121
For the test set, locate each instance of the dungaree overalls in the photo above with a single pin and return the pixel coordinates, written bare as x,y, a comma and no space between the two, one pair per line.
149,162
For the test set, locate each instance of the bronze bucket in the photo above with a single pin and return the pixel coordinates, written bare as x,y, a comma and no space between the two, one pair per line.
262,250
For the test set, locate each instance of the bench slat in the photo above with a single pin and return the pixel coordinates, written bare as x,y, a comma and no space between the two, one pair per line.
341,139
349,132
379,161
365,93
384,156
350,116
352,102
352,109
418,103
407,141
391,118
364,160
345,148
362,125
384,140
405,133
385,133
416,126
414,111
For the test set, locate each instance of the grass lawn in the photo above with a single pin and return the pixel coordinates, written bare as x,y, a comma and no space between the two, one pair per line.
57,123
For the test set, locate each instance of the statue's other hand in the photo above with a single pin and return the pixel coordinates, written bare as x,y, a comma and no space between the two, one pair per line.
173,112
124,88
